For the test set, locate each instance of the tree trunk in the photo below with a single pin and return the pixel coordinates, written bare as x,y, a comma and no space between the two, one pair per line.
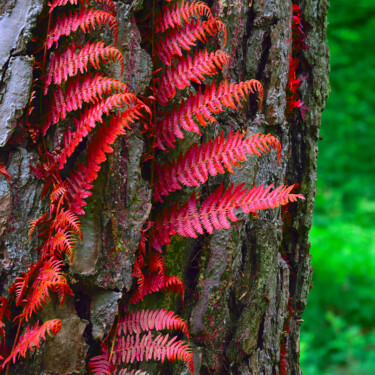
245,288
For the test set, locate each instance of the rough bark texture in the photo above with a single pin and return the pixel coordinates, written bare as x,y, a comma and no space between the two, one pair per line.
238,282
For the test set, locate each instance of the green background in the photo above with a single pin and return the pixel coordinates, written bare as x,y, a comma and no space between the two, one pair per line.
338,333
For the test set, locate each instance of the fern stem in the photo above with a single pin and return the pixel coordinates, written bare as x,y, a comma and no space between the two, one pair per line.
14,344
114,339
45,45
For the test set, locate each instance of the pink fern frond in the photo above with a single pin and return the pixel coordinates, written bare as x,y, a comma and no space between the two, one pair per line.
173,16
107,3
182,38
79,183
70,62
80,90
49,278
217,211
179,77
90,117
199,109
200,161
145,320
83,19
144,348
31,338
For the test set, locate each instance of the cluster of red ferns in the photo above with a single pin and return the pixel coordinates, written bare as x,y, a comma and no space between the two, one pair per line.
65,90
298,44
175,30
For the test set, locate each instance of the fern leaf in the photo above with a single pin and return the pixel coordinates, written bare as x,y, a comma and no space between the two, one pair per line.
100,365
68,220
79,183
83,19
187,70
63,243
58,193
107,3
35,223
152,283
217,211
144,348
80,90
4,312
183,38
22,283
88,120
176,14
199,108
4,171
31,338
70,62
57,3
200,161
145,320
49,278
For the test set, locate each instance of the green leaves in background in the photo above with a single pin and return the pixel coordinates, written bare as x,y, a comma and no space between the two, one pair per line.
338,335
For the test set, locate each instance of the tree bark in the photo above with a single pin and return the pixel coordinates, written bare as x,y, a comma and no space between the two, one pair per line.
246,288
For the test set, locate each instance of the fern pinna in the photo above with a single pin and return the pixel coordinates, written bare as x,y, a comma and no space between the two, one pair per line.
298,43
185,100
65,88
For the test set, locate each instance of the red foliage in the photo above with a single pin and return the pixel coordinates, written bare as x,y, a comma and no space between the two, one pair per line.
298,43
4,171
217,211
193,168
31,338
199,108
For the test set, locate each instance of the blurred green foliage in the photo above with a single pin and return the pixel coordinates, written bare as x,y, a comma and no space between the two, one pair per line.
338,335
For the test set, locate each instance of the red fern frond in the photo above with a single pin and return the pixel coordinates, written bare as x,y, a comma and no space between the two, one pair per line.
90,117
152,283
145,320
87,89
80,180
187,70
58,3
21,284
199,108
34,223
58,192
151,278
217,211
4,312
157,263
31,338
68,220
173,16
107,3
144,348
83,19
100,365
70,62
4,171
49,278
62,243
172,43
200,161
